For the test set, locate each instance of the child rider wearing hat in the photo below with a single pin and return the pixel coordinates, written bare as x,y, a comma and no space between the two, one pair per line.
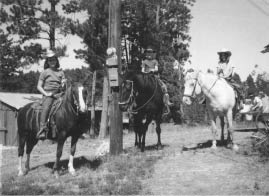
50,82
225,70
151,65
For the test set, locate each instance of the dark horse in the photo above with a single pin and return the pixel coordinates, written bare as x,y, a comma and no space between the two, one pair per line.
141,94
67,120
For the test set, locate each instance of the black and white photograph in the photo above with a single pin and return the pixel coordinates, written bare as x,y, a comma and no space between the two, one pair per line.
134,97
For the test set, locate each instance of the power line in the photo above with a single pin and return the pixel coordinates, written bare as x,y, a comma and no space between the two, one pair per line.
253,3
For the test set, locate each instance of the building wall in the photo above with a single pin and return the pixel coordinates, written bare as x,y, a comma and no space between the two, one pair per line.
8,121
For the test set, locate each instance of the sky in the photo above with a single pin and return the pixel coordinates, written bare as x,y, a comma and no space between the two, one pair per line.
242,26
239,25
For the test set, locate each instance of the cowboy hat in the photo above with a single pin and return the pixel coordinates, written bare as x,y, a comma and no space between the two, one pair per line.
225,51
50,53
261,93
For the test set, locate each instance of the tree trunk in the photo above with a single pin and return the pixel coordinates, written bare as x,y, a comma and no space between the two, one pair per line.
158,16
93,105
104,118
52,25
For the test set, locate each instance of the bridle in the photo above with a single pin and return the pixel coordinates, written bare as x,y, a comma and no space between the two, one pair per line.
131,98
192,96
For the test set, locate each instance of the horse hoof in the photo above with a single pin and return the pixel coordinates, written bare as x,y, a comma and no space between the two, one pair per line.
56,174
214,147
235,147
159,147
20,173
72,172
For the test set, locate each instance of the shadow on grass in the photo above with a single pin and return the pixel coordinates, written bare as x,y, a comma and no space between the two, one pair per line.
149,148
78,163
203,145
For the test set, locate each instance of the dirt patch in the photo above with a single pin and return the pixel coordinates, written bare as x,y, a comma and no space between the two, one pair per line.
193,169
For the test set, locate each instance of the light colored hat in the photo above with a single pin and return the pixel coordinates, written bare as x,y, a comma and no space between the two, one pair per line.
149,49
50,53
261,93
224,50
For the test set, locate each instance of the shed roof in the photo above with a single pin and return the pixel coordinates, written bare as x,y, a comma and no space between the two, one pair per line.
18,100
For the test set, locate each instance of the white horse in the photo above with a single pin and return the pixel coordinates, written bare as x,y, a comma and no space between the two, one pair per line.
220,100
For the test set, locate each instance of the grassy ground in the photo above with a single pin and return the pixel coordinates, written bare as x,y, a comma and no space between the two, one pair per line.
186,165
121,175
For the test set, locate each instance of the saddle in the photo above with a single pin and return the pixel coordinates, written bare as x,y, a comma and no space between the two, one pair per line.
51,124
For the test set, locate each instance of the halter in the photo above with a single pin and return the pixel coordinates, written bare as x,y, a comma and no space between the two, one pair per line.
193,91
132,98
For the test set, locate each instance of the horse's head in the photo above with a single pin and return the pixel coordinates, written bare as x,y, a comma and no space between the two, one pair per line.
127,91
192,87
80,96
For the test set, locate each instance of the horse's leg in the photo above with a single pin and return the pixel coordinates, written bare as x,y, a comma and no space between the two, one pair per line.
140,137
144,131
222,124
72,153
138,133
30,143
22,141
136,137
60,145
230,139
214,131
158,131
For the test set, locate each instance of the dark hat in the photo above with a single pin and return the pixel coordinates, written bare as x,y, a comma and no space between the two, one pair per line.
225,51
149,49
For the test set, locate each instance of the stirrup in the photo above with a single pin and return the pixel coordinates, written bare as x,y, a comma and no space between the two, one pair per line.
167,110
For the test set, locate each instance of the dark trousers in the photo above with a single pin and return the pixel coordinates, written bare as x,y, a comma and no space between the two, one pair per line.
238,88
47,103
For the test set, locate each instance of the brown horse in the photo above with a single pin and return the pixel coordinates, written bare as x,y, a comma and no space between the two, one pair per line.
67,118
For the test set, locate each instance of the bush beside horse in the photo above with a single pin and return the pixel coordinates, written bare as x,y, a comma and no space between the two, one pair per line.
67,119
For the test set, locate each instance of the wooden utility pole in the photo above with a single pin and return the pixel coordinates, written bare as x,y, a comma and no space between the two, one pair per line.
114,40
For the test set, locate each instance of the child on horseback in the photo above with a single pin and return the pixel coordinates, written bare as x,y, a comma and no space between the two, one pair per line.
225,70
50,82
151,65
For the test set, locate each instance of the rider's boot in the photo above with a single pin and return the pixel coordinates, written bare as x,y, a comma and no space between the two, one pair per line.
167,103
166,99
41,135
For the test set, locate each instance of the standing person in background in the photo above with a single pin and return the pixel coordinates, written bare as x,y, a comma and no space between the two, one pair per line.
50,82
151,65
225,70
257,103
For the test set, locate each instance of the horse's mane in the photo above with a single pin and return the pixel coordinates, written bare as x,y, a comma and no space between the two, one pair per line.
147,80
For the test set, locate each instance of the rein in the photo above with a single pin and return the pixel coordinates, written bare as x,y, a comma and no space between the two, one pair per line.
75,111
192,94
193,91
132,97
